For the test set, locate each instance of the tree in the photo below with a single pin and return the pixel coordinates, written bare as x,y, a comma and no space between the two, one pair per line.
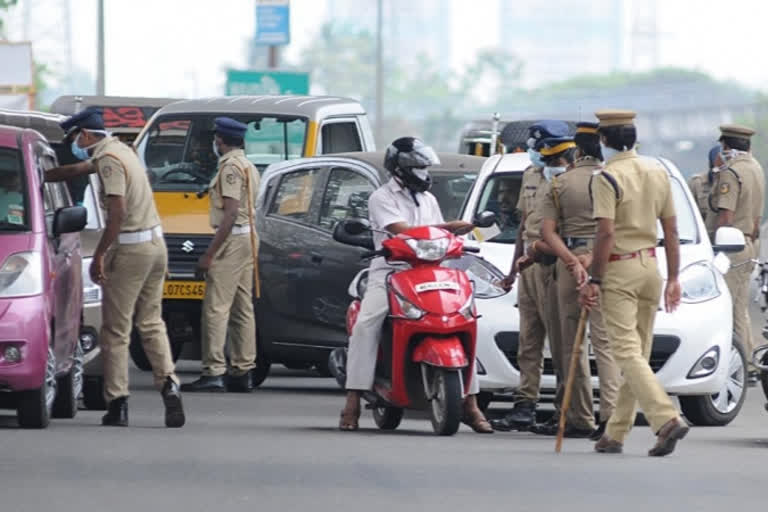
4,6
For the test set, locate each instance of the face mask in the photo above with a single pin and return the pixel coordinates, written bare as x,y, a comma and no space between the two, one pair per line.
216,150
78,152
535,158
608,153
550,172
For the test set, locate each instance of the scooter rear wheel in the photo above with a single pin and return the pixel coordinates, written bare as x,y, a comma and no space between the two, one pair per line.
447,401
387,418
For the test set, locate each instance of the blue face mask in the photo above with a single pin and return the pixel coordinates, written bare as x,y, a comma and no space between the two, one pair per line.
550,172
535,158
78,152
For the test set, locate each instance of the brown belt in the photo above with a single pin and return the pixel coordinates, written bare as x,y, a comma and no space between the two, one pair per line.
631,255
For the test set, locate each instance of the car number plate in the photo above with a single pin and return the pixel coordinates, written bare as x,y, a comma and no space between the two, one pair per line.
194,290
436,285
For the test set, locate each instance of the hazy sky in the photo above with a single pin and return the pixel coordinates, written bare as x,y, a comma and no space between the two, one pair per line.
181,47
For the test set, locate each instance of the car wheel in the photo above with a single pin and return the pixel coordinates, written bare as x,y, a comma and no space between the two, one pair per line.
33,408
93,393
263,364
139,357
721,408
69,387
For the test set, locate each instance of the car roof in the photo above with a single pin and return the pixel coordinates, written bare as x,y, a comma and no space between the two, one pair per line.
305,106
69,104
43,122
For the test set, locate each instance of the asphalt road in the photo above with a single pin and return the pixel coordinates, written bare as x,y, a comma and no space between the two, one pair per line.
278,449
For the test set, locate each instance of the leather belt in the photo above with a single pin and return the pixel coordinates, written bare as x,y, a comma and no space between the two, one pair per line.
631,255
137,237
574,242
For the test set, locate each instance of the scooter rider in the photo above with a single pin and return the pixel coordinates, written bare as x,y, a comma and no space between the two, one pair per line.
400,204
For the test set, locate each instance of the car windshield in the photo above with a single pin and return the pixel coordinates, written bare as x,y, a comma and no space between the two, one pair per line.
451,190
499,195
178,150
686,219
13,211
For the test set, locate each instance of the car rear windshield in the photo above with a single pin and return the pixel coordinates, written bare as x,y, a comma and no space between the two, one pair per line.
178,150
13,201
451,190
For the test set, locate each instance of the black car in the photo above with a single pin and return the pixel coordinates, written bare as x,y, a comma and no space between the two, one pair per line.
305,274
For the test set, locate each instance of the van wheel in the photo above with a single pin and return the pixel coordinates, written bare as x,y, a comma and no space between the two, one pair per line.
33,409
721,408
139,357
93,393
69,387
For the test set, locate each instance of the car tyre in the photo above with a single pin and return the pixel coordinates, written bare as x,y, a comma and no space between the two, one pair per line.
139,357
93,393
69,386
263,365
721,408
33,408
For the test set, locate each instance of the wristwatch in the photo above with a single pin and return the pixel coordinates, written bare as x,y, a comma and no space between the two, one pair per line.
594,280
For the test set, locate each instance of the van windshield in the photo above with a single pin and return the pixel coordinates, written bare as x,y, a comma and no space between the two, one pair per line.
178,150
13,213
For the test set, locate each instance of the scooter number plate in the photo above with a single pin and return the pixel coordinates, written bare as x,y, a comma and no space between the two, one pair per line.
436,285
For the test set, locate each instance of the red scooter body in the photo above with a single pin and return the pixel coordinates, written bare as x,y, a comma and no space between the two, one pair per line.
427,350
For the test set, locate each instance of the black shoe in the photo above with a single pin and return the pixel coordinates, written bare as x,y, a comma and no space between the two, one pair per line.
117,413
174,410
551,427
521,417
240,383
599,431
205,383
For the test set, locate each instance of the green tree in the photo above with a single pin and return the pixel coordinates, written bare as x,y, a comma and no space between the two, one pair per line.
4,6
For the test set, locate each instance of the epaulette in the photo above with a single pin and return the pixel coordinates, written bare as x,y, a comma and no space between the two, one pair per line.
610,179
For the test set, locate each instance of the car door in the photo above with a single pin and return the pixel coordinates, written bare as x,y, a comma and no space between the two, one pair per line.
65,258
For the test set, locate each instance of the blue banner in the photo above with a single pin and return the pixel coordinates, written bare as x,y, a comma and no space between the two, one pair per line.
273,25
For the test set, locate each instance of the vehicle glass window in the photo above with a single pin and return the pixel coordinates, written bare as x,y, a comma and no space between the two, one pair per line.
293,196
13,197
178,151
451,190
50,209
91,204
340,138
346,196
686,218
500,195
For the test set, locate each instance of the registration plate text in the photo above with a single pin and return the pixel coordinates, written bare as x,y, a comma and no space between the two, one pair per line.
194,290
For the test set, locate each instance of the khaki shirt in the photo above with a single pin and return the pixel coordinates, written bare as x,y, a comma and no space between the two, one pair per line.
574,213
231,181
642,194
740,190
531,192
122,174
701,188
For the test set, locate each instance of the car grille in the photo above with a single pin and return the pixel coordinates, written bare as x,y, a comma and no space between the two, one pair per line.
663,348
184,251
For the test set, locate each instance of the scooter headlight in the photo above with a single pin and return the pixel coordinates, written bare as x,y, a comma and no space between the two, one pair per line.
429,250
698,283
468,309
408,309
21,275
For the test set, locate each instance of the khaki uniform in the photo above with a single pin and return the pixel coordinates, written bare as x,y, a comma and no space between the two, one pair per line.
229,282
536,291
740,189
701,188
631,286
568,203
135,271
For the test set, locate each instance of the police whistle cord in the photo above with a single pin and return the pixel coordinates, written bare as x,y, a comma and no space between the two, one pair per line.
575,355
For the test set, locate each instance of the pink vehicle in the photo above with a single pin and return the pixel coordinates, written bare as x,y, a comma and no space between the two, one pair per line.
41,292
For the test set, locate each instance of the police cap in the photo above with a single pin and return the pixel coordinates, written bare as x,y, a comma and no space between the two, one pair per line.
547,129
554,145
736,131
615,117
229,127
90,118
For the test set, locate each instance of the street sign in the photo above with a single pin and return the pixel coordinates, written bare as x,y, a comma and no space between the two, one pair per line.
273,22
251,82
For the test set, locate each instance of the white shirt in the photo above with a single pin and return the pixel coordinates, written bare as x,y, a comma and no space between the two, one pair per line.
392,204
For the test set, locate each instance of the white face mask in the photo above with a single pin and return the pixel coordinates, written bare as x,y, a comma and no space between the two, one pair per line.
550,172
608,153
216,149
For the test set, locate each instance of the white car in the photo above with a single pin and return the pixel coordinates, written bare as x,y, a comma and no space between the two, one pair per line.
693,353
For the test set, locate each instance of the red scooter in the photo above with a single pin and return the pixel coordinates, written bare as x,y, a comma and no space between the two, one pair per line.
427,349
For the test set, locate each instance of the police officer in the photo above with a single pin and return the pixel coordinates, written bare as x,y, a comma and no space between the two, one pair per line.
738,198
630,196
567,210
129,263
701,187
228,266
538,315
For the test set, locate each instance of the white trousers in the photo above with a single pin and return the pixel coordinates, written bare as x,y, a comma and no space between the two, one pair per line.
366,334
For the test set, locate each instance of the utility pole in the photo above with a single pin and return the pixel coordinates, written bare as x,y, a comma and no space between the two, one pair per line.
100,56
379,73
272,61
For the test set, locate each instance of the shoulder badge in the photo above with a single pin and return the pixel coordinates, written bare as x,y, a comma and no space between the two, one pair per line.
724,188
231,178
106,171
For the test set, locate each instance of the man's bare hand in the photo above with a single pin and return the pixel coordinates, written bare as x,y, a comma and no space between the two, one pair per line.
672,294
589,297
459,227
508,281
576,268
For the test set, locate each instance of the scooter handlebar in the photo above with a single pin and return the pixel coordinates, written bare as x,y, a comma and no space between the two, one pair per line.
471,249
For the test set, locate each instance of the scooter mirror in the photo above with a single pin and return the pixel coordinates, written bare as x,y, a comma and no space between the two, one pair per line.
485,219
362,238
356,226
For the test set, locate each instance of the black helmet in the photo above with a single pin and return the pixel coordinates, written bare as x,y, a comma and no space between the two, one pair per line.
406,154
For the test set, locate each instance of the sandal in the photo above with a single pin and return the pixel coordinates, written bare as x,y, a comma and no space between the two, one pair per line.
349,422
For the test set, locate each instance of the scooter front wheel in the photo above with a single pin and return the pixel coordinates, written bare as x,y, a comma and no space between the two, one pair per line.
447,400
387,418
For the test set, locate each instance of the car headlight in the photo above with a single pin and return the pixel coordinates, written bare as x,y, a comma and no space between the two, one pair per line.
484,276
698,283
91,290
21,274
429,250
706,365
409,310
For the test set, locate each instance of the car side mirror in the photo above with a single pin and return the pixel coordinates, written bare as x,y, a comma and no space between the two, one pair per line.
729,239
357,237
70,219
485,219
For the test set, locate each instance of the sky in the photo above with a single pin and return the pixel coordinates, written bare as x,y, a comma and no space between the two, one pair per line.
180,48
